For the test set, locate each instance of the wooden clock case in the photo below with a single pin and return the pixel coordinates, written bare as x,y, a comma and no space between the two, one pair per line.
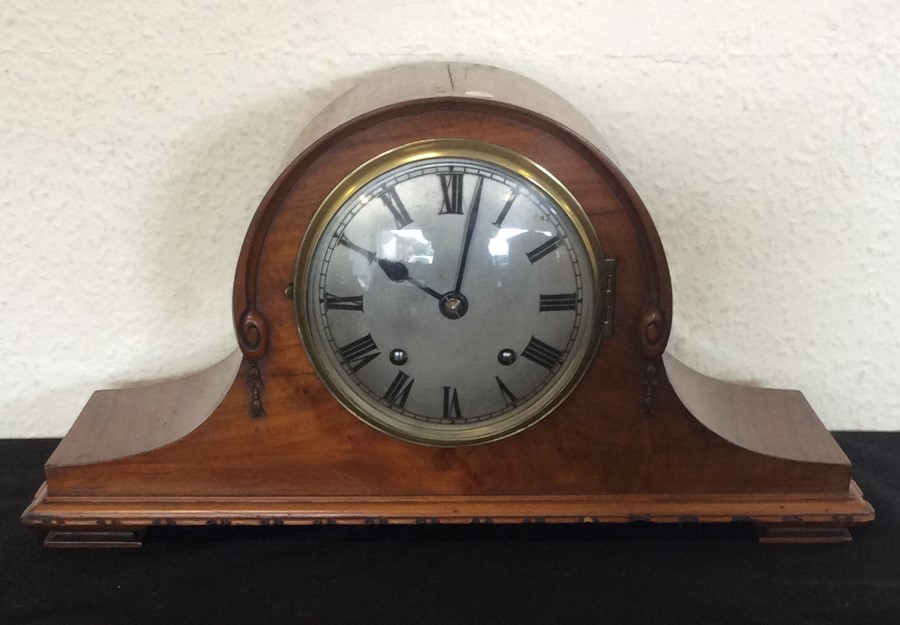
258,440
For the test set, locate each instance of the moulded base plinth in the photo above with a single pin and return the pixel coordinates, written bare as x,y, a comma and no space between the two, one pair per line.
107,522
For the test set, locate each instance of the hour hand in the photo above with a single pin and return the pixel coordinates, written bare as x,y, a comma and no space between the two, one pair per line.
398,272
393,269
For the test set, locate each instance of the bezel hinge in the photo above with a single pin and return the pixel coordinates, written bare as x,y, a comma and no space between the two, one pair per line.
608,317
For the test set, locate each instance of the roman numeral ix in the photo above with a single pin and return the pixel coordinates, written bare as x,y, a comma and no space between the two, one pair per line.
352,302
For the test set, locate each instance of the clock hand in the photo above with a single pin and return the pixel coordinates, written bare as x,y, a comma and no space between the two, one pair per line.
430,291
398,272
470,230
343,240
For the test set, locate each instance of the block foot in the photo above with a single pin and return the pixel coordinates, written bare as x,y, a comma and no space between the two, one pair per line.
803,534
94,540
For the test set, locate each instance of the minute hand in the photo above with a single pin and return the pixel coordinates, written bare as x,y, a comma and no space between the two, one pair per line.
471,217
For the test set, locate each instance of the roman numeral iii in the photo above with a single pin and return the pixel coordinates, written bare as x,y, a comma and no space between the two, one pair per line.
558,301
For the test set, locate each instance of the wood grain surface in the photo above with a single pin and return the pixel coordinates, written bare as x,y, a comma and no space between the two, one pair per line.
642,437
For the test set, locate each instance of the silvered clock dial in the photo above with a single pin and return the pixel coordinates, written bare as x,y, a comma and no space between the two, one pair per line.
448,292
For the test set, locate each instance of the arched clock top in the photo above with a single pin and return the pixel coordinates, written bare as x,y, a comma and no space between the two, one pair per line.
418,102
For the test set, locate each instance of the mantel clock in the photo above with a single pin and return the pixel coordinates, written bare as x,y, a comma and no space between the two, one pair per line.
451,307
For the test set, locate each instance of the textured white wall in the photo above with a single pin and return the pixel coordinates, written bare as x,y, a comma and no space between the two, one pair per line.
136,139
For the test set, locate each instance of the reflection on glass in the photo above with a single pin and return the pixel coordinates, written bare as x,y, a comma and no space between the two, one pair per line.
405,246
498,246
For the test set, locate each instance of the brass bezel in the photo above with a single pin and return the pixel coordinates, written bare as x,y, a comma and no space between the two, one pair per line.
441,435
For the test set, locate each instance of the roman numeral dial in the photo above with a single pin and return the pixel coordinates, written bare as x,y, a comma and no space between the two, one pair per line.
444,330
452,187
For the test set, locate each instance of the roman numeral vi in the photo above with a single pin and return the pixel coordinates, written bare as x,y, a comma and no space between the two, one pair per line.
451,404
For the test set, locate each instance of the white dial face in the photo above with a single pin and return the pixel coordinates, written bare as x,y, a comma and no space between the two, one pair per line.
449,301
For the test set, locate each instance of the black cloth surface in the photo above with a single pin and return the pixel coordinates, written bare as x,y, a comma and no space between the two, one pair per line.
634,573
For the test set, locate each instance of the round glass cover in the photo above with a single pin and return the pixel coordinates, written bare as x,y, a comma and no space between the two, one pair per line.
448,292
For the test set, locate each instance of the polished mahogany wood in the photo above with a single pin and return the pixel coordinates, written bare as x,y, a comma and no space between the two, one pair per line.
257,439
